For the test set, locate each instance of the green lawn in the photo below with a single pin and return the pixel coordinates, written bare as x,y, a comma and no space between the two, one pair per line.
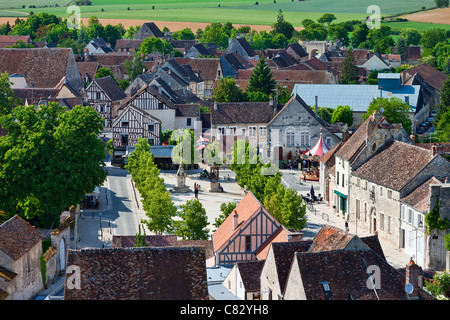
235,11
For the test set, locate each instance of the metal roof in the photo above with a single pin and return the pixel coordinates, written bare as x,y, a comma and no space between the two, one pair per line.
357,97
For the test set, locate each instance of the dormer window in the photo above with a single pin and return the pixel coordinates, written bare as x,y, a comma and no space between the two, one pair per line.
326,286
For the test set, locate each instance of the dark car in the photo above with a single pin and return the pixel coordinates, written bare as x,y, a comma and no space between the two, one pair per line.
420,130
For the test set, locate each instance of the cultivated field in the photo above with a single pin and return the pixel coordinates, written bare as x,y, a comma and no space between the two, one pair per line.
441,16
178,14
235,11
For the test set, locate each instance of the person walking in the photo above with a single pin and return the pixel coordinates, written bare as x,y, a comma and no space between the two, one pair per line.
346,225
195,191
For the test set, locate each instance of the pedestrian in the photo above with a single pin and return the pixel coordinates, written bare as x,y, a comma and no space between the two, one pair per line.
346,225
196,191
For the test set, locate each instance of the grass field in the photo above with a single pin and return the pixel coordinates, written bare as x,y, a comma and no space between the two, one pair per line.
235,11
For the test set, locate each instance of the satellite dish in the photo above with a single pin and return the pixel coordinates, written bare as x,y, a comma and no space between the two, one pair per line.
409,288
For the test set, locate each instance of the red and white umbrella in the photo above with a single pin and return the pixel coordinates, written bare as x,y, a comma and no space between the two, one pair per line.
320,148
202,143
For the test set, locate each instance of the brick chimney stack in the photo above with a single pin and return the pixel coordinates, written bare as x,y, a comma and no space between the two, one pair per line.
235,220
414,276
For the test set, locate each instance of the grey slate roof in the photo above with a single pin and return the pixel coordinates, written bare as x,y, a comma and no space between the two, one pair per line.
358,97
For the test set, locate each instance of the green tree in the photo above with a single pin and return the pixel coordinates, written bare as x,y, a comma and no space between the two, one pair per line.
95,29
184,34
338,31
135,67
432,37
395,111
153,44
287,207
193,223
261,40
225,210
327,18
7,97
412,36
282,26
215,33
401,47
256,96
159,209
445,97
113,33
350,70
441,3
342,114
261,79
443,127
103,72
50,159
227,91
359,35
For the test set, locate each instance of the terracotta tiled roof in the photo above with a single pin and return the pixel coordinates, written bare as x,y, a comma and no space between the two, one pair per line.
242,112
206,67
89,68
147,273
357,139
6,40
420,198
111,88
250,272
168,240
330,238
17,237
394,164
188,110
345,271
42,68
248,206
128,44
109,59
329,157
283,254
431,75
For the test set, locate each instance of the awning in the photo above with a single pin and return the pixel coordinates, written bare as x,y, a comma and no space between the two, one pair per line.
340,194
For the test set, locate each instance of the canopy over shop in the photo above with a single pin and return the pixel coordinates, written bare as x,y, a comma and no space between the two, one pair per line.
310,160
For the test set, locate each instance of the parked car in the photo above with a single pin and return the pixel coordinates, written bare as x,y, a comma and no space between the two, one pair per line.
433,114
431,119
420,130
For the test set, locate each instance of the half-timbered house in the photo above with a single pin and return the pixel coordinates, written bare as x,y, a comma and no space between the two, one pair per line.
156,103
245,232
134,123
103,94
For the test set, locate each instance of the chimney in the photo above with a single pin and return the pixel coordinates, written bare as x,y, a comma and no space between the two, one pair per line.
414,277
295,236
271,101
434,150
446,180
413,138
377,115
235,220
315,105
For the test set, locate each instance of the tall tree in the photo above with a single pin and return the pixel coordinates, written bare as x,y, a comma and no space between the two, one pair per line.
7,97
327,18
395,111
225,210
261,79
445,98
282,26
194,221
49,160
350,70
342,114
227,91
